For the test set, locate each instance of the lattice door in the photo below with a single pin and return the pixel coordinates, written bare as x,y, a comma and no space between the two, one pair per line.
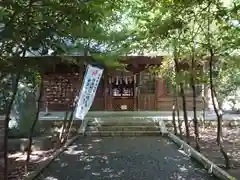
122,91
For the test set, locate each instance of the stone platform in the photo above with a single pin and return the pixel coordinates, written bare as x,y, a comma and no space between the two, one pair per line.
163,115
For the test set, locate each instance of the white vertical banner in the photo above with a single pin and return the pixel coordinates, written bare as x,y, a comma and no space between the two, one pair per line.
91,80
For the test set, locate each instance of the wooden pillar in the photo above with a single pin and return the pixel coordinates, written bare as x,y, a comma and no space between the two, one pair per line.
138,82
160,90
109,95
105,91
135,92
44,96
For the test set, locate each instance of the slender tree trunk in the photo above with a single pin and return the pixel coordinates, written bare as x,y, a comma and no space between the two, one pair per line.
174,117
195,120
182,93
178,116
204,112
69,126
218,112
71,119
185,113
6,122
204,99
61,136
30,138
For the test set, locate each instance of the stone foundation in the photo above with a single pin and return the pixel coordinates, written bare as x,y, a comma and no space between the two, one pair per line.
49,129
208,123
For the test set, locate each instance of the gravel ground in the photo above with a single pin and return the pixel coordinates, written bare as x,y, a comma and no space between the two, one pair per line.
136,158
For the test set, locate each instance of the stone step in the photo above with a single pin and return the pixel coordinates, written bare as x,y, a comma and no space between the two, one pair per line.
121,118
127,113
126,117
122,123
122,128
122,133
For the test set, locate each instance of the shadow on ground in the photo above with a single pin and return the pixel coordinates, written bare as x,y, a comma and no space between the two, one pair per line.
135,158
231,143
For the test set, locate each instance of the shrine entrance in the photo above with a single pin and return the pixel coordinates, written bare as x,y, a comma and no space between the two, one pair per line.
123,91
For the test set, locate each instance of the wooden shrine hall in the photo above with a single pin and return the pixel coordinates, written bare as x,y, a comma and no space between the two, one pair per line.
133,89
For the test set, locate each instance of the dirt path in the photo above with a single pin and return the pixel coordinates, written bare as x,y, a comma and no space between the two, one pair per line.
231,142
137,158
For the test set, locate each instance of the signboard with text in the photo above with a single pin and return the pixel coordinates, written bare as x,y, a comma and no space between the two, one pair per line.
90,84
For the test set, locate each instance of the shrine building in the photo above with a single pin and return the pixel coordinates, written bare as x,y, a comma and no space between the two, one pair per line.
131,89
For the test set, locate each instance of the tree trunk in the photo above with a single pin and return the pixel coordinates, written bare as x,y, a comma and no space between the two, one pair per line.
6,122
30,138
182,93
61,135
195,120
174,117
70,121
204,112
218,113
69,126
204,99
185,117
178,116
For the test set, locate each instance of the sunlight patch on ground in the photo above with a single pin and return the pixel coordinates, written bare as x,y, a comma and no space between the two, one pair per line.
90,147
114,152
71,150
96,174
183,169
35,153
36,156
87,167
63,165
176,158
86,158
97,140
108,170
50,178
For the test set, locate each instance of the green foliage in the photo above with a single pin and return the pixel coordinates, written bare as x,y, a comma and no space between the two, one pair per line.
109,61
188,30
42,25
229,77
108,29
57,28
